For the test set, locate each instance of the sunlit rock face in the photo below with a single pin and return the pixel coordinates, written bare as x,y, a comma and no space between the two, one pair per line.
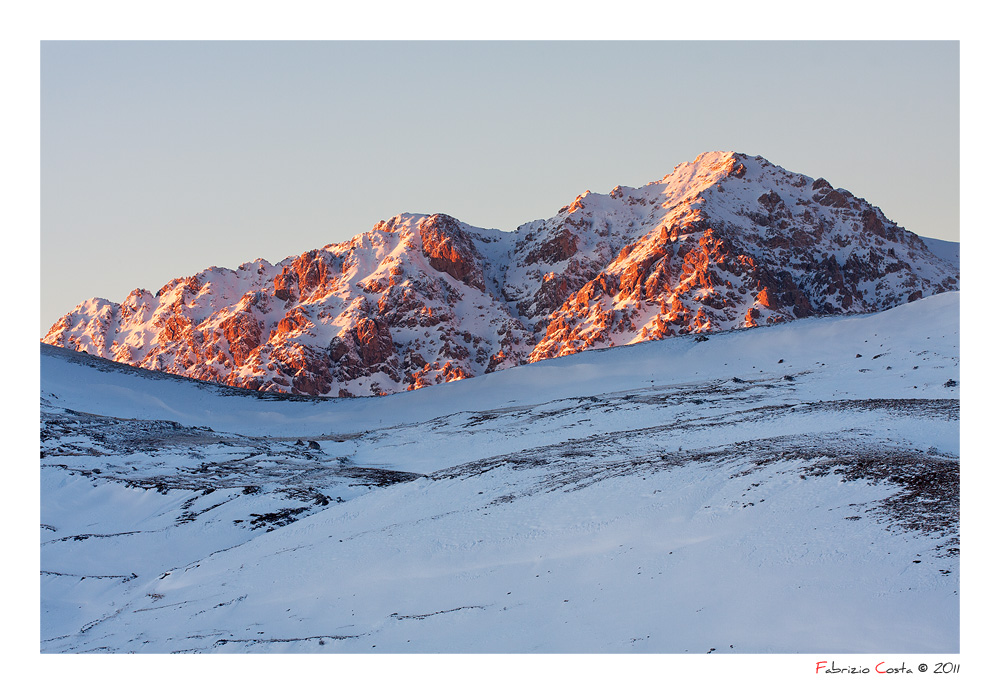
725,242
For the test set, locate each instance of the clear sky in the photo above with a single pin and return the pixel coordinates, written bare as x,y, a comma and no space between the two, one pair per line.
159,159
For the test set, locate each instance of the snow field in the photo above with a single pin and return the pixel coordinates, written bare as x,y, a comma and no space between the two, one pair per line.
667,497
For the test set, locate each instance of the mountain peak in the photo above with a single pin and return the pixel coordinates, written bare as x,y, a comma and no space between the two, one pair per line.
706,163
724,242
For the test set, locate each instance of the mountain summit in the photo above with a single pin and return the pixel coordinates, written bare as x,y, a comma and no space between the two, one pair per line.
726,241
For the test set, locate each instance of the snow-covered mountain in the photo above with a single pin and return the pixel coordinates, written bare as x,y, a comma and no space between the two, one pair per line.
727,241
790,488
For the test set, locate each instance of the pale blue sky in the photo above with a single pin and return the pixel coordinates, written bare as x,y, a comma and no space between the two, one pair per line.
159,159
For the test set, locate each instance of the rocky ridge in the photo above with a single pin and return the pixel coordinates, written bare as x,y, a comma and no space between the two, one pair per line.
727,241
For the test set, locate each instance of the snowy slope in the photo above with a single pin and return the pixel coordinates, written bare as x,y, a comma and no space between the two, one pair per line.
946,250
675,496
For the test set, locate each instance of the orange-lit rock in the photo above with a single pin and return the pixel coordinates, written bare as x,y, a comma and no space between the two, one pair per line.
450,250
294,320
374,341
243,333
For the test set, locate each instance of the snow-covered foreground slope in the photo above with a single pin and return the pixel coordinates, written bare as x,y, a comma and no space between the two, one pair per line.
781,489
